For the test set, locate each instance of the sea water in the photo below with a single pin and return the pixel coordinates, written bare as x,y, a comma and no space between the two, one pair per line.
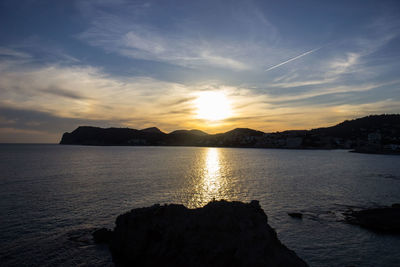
53,196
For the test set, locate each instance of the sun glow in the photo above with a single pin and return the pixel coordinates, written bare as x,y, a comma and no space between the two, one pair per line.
213,106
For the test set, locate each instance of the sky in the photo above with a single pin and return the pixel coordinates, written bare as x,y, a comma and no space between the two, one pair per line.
266,65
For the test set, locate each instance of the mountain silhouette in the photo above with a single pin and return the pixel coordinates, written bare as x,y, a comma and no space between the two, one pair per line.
371,134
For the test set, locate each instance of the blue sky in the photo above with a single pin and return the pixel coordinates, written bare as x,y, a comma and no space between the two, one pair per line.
281,64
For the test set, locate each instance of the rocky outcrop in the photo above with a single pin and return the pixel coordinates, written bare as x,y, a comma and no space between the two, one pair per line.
386,219
219,234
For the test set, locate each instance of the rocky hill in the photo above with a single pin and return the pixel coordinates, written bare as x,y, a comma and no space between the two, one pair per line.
221,233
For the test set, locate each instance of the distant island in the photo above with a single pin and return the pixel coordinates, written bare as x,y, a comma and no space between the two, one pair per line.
372,134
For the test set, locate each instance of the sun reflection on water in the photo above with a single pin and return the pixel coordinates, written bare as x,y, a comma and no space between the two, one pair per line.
212,174
212,183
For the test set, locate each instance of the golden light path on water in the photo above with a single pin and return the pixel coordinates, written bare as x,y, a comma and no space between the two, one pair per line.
212,176
213,182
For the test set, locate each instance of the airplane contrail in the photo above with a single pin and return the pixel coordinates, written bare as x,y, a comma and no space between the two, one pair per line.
294,58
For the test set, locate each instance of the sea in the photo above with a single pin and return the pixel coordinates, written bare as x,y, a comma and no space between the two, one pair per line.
53,196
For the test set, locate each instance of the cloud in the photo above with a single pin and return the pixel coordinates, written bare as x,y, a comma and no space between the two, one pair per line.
342,65
26,119
31,126
7,52
146,44
81,91
181,101
376,107
290,97
303,83
64,93
184,39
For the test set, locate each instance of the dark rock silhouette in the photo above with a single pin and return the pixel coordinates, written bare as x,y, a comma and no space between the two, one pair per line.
219,234
386,219
373,134
152,130
186,138
193,132
102,235
87,135
297,215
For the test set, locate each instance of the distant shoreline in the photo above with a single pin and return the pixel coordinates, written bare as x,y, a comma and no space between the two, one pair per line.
375,134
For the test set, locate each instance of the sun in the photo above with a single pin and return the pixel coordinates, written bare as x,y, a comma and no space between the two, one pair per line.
213,106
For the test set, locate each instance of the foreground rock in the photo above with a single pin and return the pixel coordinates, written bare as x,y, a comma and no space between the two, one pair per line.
102,235
219,234
385,219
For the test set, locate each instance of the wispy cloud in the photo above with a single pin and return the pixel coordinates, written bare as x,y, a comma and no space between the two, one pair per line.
142,43
342,65
184,41
303,83
64,93
7,52
308,97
